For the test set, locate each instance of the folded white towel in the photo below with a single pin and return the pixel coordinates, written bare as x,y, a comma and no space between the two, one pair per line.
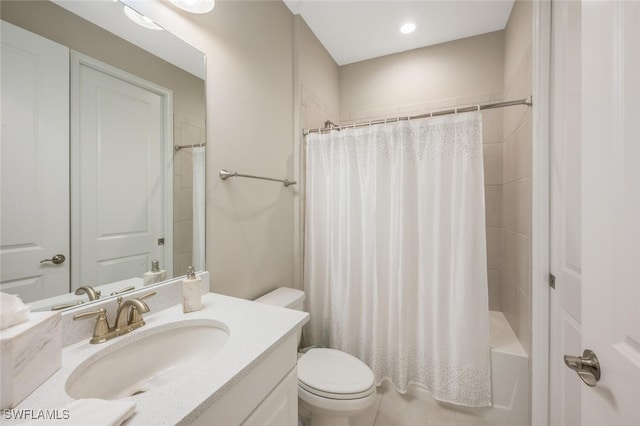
92,411
12,310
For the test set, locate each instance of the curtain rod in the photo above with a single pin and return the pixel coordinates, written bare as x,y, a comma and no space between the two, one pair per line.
226,174
179,147
526,101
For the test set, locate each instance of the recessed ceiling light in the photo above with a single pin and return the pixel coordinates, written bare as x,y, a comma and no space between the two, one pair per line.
407,28
141,20
195,6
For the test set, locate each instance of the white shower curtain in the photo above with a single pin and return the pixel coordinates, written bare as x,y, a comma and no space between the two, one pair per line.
198,208
395,256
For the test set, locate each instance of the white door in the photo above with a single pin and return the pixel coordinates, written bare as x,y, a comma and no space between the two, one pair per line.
611,209
121,126
565,304
34,165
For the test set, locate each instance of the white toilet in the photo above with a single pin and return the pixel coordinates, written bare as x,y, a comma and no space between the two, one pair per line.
332,385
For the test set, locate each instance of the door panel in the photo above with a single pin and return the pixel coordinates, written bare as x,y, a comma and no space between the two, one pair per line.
611,206
34,164
121,125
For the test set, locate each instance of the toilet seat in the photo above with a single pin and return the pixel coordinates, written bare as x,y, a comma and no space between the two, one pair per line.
334,374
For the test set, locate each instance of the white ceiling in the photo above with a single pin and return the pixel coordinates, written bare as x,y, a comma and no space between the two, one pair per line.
353,31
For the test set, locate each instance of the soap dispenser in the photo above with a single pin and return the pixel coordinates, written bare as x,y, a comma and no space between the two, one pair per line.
191,292
155,275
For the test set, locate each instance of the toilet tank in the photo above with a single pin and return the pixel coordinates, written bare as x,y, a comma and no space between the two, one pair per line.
285,297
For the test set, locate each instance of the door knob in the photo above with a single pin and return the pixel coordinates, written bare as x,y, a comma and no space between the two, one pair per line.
56,260
587,366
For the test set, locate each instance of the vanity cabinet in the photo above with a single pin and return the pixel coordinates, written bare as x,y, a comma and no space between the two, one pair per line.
266,395
280,407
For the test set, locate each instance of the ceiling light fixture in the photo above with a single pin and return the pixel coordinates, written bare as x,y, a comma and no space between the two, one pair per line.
195,6
141,20
408,28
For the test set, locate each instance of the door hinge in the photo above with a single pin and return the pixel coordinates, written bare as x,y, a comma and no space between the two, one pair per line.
552,281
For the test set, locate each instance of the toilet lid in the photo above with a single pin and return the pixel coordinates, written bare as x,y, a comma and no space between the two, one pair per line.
329,372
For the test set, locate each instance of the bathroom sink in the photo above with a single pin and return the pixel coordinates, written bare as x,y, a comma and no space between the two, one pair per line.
142,362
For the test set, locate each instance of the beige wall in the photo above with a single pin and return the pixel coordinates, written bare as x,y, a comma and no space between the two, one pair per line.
249,49
318,78
461,72
517,160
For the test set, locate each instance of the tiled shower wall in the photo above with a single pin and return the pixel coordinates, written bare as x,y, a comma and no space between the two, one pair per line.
516,175
486,68
458,73
493,195
185,132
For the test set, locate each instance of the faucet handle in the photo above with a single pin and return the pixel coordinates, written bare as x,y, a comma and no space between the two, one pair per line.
120,299
124,290
134,315
147,295
85,315
102,324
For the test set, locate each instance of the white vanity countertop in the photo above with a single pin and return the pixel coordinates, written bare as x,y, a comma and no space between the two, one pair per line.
255,330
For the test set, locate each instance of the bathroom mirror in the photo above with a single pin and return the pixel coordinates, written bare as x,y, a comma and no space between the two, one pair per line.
102,152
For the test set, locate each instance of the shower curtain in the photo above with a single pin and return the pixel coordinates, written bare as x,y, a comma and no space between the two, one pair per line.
395,256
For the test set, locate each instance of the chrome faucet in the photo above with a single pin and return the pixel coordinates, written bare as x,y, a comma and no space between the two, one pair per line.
91,293
128,318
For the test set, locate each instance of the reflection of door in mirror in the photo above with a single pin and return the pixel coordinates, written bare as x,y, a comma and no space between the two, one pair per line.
153,56
121,173
120,178
35,164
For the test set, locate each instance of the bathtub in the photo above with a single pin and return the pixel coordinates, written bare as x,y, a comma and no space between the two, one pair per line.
510,382
510,390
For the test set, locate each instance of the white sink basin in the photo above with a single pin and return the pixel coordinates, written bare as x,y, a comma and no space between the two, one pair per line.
139,363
